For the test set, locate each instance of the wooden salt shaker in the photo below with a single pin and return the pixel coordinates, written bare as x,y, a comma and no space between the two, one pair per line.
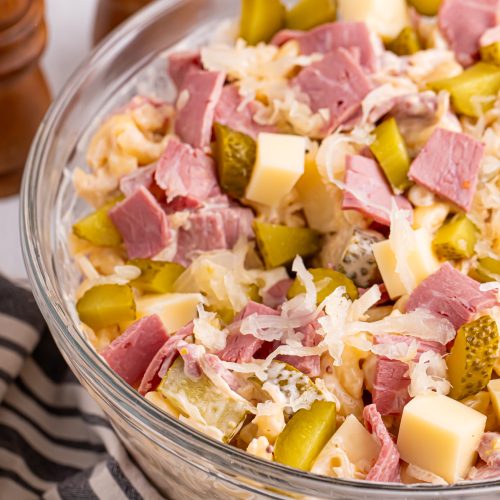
24,95
110,13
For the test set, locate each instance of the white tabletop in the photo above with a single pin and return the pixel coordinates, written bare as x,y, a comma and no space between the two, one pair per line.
70,24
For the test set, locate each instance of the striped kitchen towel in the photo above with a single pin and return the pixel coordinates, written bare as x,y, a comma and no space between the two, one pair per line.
55,442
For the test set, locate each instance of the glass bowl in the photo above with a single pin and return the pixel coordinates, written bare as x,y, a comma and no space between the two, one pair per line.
180,461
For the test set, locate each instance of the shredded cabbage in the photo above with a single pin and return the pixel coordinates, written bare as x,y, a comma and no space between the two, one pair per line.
208,332
420,323
428,375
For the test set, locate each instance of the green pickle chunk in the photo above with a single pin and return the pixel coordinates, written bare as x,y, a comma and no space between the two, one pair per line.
156,276
98,229
235,155
307,14
215,406
426,7
260,20
490,265
305,435
491,53
326,281
406,43
488,269
390,150
291,381
472,357
456,239
479,81
279,245
106,305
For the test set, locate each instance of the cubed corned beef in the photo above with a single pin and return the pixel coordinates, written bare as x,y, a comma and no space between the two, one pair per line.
448,166
198,96
387,467
309,365
142,223
143,176
132,352
367,190
277,294
230,112
331,36
216,229
181,64
390,387
451,294
463,22
337,83
186,174
241,348
163,359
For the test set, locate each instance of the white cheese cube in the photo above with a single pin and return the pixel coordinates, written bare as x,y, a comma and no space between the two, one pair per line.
421,260
386,17
440,435
359,445
279,165
174,309
494,390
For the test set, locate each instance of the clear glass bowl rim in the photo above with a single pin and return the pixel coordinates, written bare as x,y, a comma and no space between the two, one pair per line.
70,341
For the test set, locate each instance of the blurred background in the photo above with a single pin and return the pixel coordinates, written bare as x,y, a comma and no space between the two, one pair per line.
72,28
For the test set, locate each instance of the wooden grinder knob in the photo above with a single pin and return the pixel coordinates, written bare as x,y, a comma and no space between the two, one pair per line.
24,95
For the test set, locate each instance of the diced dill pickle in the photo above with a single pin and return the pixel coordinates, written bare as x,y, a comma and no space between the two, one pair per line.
456,239
472,356
490,265
307,14
390,150
156,276
260,20
426,7
214,405
97,228
357,261
253,293
478,275
491,53
488,269
305,435
106,305
291,382
472,91
279,245
326,281
406,43
235,155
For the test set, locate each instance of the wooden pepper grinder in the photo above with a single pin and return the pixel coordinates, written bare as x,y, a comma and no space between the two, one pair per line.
24,94
110,13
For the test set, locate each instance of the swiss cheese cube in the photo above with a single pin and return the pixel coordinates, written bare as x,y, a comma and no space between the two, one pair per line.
422,262
359,445
386,17
174,309
494,390
440,435
279,165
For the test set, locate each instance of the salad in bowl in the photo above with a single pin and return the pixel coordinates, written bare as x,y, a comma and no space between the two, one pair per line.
299,255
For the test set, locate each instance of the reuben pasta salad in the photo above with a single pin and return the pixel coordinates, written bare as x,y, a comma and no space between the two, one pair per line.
299,255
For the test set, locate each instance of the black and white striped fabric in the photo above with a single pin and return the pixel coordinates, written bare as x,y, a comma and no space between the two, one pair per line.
55,442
